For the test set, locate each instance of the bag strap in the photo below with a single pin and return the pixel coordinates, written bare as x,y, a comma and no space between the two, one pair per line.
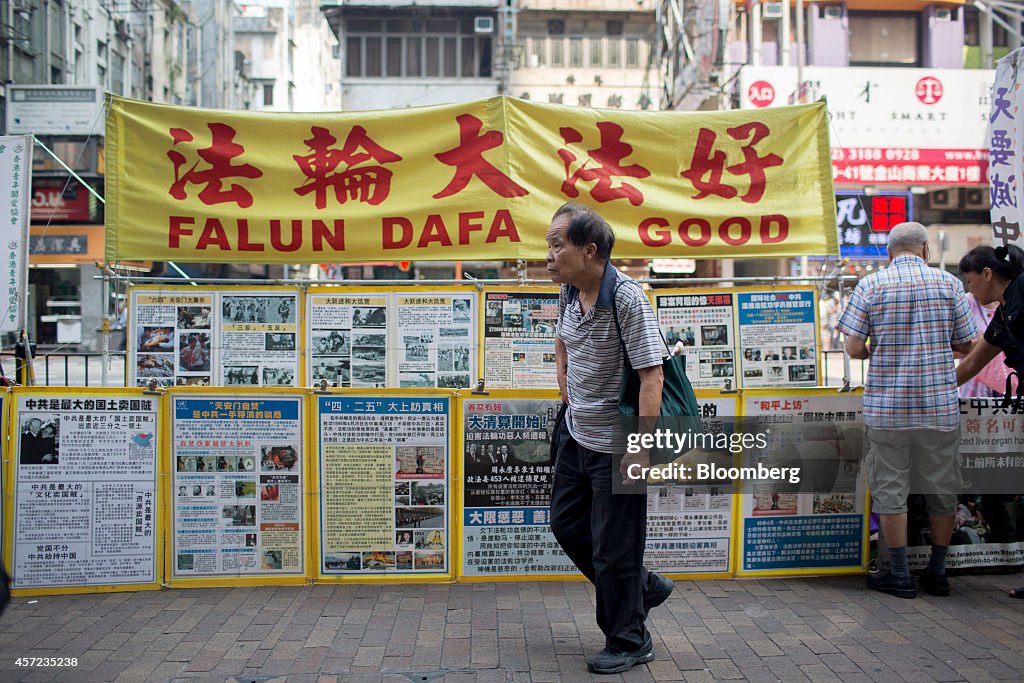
618,325
1008,396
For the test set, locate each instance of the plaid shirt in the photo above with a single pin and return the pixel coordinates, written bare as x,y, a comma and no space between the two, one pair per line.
912,313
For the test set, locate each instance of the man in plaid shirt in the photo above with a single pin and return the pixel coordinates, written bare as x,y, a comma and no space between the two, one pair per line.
915,317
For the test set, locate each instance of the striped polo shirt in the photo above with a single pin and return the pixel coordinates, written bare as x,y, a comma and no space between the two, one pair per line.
595,365
911,313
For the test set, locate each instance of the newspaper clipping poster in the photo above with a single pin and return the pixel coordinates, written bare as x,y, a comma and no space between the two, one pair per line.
85,490
258,342
778,340
172,340
383,475
810,524
348,339
519,340
703,322
988,529
237,489
436,340
507,477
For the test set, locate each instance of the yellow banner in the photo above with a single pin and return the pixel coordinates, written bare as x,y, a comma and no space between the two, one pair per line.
470,181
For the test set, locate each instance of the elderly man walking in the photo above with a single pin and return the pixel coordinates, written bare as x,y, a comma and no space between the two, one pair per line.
915,317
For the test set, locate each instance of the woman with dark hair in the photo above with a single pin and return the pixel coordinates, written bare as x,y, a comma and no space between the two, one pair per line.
993,275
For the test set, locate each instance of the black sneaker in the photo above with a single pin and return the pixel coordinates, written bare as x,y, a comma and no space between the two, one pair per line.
659,593
901,587
616,661
934,584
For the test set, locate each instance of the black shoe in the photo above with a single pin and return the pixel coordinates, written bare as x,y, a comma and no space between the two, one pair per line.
616,661
934,584
659,593
887,583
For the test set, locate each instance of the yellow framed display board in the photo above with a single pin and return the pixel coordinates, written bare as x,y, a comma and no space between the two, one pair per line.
236,505
82,494
381,485
214,336
824,529
750,336
505,474
402,337
517,336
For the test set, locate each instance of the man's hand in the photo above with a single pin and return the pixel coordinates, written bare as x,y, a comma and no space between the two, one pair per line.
643,459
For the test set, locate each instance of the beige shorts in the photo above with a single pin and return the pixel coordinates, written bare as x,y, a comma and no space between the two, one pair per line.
900,462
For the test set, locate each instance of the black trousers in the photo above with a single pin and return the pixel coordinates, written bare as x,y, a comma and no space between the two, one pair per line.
603,534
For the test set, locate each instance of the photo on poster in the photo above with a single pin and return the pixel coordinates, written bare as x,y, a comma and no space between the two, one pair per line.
332,370
194,353
428,559
369,316
240,515
239,375
279,341
194,381
419,517
343,561
194,317
713,335
373,340
186,463
492,313
445,359
460,310
270,559
427,493
40,440
415,380
801,373
412,460
278,377
369,354
246,463
227,463
251,540
403,559
156,339
449,381
378,559
403,538
332,342
186,562
155,365
369,374
245,489
834,504
258,309
279,458
453,331
269,493
428,539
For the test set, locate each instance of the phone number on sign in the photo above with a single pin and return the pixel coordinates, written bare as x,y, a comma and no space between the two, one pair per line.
46,661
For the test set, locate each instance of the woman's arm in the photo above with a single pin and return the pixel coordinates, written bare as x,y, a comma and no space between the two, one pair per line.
981,354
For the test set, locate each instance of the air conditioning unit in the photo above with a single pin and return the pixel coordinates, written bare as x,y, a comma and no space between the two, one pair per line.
943,199
943,14
483,24
976,199
771,10
832,12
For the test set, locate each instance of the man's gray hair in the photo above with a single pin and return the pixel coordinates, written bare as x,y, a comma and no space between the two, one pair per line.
907,237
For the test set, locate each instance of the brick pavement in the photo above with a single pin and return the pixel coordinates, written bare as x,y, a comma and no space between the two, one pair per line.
815,629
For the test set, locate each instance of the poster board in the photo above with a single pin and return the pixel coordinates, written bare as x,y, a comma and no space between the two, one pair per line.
237,497
778,337
517,333
787,533
506,478
384,509
988,529
704,320
410,338
213,336
81,490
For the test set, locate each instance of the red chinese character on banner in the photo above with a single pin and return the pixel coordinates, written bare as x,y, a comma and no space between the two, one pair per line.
707,161
609,156
218,155
370,183
469,161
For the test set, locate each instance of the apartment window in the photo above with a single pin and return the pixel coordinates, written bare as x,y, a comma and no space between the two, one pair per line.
632,53
889,39
575,52
354,56
596,52
557,51
614,52
409,50
614,28
268,94
394,57
556,27
538,49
